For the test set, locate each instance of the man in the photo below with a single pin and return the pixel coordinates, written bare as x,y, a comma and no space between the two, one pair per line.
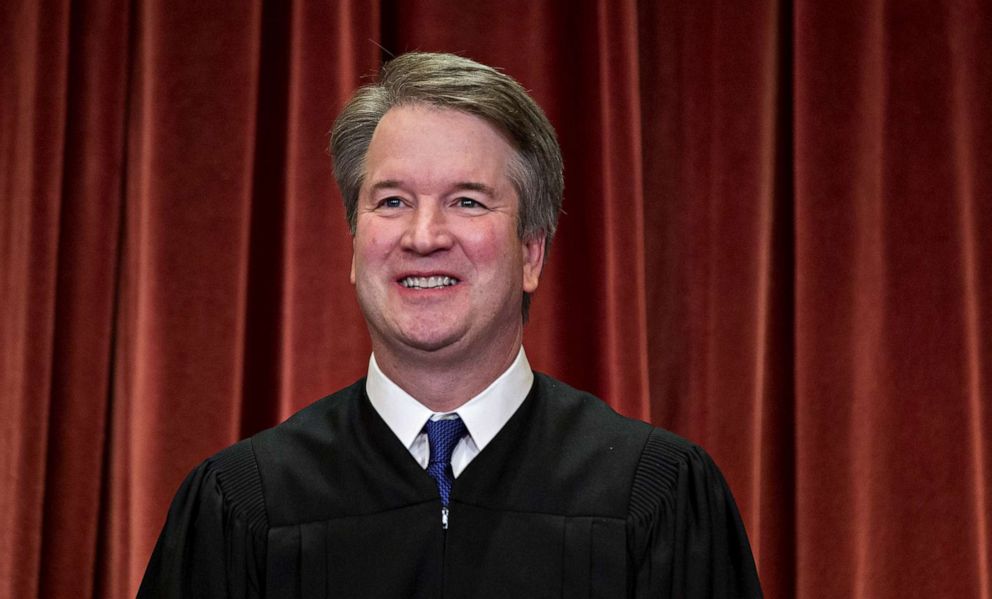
452,469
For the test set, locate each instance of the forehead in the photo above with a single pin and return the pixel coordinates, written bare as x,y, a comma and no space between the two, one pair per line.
430,144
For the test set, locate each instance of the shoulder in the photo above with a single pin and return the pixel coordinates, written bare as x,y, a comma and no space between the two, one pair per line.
585,437
325,421
659,444
684,531
660,460
583,424
332,458
583,410
669,465
233,475
329,409
322,417
237,473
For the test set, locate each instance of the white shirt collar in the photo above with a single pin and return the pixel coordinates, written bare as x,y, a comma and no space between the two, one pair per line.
484,415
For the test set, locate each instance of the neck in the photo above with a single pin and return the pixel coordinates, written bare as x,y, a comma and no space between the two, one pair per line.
444,385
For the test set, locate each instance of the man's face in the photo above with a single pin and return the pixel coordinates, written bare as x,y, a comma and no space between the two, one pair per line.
438,266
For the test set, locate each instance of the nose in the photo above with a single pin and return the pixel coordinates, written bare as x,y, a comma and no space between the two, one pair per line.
427,230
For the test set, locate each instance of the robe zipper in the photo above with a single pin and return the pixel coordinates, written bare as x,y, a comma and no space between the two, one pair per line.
444,546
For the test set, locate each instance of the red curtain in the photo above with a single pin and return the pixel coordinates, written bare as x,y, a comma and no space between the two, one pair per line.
775,244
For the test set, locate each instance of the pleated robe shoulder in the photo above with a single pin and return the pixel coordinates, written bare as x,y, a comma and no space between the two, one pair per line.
569,500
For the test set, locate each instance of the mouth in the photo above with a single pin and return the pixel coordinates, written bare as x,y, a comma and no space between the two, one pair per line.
431,282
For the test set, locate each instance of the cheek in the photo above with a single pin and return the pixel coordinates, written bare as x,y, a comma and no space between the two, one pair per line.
479,236
371,244
493,248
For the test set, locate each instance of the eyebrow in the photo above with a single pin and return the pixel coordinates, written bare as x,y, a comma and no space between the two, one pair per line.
462,186
480,187
387,184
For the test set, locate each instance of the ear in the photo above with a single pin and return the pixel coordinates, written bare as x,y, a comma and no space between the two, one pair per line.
352,276
533,254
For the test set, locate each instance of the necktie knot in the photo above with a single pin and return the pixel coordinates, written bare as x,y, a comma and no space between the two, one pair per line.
442,436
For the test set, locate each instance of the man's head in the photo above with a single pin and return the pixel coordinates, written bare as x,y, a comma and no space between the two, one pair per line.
456,83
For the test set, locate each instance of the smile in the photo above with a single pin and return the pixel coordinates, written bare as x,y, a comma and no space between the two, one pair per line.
428,282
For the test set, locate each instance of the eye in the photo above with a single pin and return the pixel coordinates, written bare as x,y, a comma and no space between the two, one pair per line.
390,202
469,203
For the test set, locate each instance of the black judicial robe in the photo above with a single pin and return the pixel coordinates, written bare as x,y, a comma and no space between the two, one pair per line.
568,500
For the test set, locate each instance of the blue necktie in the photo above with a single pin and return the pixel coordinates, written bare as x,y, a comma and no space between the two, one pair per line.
443,435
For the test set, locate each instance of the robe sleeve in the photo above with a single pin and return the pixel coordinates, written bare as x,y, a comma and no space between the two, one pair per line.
685,534
213,542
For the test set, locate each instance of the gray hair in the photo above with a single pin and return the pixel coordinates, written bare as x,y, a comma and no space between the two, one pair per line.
453,82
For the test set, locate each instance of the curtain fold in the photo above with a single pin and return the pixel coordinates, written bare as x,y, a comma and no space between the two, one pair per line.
775,243
63,93
882,336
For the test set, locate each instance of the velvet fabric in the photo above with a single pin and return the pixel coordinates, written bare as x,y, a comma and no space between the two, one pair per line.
775,243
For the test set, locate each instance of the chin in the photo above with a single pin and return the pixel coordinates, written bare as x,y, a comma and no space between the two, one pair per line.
430,343
428,338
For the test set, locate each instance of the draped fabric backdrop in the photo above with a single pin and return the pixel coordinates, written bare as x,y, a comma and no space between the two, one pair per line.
776,243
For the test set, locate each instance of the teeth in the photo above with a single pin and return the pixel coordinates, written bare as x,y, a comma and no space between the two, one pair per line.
428,282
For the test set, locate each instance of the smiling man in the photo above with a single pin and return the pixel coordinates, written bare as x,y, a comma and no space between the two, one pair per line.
452,469
439,267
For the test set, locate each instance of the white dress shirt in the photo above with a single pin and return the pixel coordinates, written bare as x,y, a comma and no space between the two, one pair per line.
484,415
